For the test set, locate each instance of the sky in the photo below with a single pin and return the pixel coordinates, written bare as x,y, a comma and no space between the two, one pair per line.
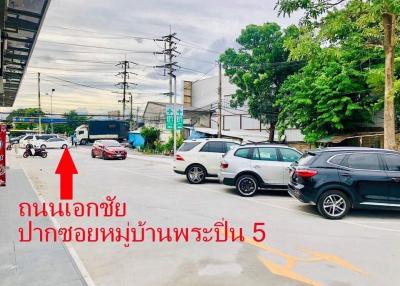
84,77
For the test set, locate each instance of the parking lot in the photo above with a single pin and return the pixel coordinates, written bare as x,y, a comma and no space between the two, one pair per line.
301,247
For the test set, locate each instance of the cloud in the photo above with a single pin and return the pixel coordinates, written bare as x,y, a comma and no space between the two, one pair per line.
203,26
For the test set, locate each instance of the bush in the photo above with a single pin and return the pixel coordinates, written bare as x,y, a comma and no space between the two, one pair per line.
150,135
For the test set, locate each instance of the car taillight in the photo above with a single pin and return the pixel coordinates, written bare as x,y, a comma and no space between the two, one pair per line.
179,158
306,173
224,165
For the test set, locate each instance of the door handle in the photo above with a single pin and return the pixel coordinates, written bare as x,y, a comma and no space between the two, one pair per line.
396,179
256,166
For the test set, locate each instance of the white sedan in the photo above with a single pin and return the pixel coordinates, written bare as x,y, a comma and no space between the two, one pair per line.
58,143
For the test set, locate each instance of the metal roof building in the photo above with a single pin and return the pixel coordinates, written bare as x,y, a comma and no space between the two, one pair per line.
20,23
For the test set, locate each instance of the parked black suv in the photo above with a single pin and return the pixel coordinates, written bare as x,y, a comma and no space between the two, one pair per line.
337,179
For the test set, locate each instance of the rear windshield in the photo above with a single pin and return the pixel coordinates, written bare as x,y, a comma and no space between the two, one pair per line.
306,159
187,146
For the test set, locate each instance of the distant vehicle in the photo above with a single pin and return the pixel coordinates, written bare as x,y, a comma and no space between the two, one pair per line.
338,179
57,143
108,149
200,158
102,129
254,166
15,140
33,138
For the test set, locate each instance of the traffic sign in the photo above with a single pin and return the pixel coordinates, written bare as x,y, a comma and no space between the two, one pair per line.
169,117
179,117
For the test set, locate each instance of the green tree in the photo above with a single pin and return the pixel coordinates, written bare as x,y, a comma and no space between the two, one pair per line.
150,135
25,112
258,69
332,93
388,11
73,121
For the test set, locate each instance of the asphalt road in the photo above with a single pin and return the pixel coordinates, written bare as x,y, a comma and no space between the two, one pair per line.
301,248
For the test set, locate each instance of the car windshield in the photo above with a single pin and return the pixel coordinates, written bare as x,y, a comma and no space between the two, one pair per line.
111,143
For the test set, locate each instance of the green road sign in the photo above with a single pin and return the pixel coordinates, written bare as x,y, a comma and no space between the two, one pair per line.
179,117
169,117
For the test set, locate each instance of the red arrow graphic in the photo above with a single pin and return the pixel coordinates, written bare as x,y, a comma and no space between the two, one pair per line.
66,169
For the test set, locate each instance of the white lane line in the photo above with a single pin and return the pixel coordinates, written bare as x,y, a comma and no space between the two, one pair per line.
78,262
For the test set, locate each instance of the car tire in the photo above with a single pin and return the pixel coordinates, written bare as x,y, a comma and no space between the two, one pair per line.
26,154
246,185
83,142
103,156
333,204
196,174
43,146
65,146
93,155
44,155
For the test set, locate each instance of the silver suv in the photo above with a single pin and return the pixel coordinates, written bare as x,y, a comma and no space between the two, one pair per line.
255,166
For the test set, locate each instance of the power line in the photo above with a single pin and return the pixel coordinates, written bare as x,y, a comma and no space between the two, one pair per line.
96,47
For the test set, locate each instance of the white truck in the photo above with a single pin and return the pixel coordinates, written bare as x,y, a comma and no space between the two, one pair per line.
102,129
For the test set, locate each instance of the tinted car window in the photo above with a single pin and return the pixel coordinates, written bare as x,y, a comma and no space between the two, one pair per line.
55,139
337,159
289,155
306,159
214,147
363,161
81,132
229,146
265,154
392,162
242,153
187,146
28,137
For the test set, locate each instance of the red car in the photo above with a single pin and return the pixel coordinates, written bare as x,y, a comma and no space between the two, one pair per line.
108,149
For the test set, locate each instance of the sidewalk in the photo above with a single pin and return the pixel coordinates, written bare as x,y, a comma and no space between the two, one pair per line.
31,263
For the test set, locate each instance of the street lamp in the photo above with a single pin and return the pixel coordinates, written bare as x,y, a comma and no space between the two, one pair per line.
51,109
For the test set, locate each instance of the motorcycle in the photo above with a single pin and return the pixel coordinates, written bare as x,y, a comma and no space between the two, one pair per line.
31,151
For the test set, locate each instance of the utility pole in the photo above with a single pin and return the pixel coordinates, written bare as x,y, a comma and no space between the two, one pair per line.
125,84
219,99
170,50
51,110
137,116
131,117
40,109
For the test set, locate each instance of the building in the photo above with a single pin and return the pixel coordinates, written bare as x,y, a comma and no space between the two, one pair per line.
154,115
20,24
203,95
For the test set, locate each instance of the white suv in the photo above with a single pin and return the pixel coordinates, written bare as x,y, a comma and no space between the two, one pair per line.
201,158
252,166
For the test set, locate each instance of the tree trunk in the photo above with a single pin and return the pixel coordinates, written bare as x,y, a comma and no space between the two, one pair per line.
389,22
271,132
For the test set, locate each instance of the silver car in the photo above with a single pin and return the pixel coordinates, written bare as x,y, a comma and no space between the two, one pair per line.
255,166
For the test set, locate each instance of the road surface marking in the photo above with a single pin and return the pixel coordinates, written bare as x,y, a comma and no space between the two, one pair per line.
78,262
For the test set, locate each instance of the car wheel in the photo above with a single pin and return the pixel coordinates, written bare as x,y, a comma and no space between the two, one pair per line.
44,155
93,155
246,185
83,142
64,146
333,204
26,154
42,146
196,174
103,156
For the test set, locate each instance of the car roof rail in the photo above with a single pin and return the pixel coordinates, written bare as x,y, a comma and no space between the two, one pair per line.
263,143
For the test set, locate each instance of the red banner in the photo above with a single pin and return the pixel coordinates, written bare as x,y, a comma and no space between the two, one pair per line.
3,143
